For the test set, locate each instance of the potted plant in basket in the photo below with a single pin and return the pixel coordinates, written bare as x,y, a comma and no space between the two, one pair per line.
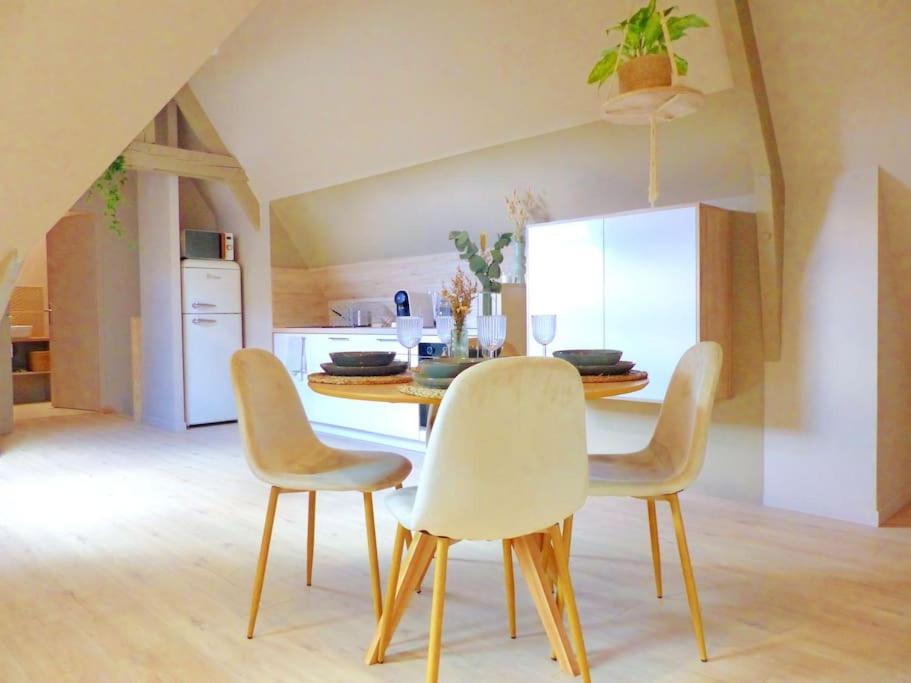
640,58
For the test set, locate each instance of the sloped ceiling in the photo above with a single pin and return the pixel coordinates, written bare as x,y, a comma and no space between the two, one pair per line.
312,93
79,80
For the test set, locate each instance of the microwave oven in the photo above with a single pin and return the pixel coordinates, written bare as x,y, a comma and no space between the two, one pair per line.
207,244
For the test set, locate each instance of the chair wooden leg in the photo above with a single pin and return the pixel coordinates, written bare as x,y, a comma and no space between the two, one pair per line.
374,559
311,528
509,583
418,559
263,556
436,613
688,578
529,556
656,549
407,533
420,585
394,572
569,599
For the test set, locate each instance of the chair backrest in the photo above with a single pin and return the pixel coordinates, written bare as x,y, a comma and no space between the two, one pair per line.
274,428
683,424
507,456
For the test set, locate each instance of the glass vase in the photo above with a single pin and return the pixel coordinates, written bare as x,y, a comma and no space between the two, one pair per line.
488,303
518,273
459,347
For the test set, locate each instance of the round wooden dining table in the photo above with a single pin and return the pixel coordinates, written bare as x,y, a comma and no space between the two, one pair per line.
389,393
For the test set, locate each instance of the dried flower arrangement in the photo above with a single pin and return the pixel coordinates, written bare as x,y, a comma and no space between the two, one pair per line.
460,292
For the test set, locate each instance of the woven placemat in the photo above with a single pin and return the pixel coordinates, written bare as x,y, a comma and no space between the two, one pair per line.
422,392
628,377
323,378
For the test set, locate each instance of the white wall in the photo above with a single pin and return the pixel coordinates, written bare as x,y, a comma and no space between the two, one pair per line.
838,113
821,419
159,265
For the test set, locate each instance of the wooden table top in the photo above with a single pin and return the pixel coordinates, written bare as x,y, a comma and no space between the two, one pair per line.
389,393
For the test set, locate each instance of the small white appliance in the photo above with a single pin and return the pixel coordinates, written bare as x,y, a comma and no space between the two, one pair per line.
414,303
212,331
207,244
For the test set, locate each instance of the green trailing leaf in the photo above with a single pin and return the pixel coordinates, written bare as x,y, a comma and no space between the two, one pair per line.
495,287
604,68
677,26
493,270
682,65
496,256
108,185
652,31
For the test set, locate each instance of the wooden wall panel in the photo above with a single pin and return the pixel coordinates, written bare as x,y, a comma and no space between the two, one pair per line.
300,297
716,287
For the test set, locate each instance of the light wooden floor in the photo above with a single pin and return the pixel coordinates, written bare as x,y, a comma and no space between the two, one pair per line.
127,554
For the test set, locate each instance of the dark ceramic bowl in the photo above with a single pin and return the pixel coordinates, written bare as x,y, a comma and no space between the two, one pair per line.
583,357
444,368
394,368
362,359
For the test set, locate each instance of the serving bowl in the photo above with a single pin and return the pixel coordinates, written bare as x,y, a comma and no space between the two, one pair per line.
362,359
583,357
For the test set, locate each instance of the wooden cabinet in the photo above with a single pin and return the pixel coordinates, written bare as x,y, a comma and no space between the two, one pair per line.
302,353
650,283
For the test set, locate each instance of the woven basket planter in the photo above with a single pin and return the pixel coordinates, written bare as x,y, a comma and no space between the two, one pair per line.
647,71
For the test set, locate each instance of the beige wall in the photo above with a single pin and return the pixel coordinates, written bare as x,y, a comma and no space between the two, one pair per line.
79,81
839,113
586,170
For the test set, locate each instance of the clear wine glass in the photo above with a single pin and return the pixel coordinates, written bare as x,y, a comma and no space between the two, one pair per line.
409,329
544,329
444,330
491,333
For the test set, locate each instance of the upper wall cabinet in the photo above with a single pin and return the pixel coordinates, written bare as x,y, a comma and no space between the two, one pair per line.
650,283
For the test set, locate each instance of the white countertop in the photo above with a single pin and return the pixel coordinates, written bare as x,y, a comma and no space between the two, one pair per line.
383,331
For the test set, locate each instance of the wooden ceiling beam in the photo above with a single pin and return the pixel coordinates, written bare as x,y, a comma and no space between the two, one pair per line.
205,131
144,156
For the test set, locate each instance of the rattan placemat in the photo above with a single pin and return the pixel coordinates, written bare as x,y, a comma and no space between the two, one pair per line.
628,377
422,392
323,378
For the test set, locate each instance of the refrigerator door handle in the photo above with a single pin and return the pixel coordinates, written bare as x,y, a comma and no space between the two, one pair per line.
204,321
202,304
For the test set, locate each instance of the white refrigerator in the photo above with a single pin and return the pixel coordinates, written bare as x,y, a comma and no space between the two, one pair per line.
212,331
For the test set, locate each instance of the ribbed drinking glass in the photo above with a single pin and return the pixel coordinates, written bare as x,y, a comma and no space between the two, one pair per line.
491,333
444,330
544,329
409,329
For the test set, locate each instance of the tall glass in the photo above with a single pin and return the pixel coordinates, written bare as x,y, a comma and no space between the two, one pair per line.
491,333
544,329
444,330
409,329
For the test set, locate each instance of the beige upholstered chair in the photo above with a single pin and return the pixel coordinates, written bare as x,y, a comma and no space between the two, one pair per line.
671,461
283,451
506,460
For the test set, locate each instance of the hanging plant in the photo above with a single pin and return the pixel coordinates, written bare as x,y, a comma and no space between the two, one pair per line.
641,56
109,186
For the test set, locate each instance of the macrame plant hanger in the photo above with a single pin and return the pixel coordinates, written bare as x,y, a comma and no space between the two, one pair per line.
654,105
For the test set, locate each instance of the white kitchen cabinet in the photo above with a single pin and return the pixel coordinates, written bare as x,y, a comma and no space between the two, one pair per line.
650,283
565,266
302,354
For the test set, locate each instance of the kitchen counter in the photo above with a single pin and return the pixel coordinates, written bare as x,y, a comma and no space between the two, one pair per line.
345,330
